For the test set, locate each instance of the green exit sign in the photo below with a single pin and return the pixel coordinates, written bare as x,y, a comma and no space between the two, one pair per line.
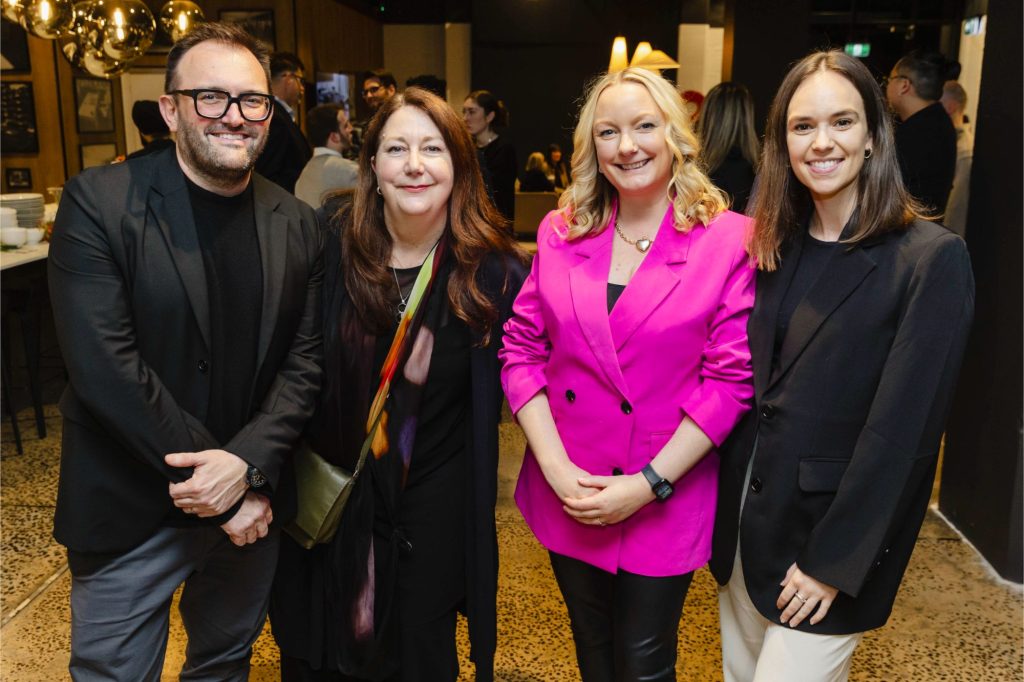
858,49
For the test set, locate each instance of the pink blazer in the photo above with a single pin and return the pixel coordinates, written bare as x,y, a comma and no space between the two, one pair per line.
619,384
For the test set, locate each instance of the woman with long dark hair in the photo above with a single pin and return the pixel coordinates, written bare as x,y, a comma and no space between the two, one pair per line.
626,364
557,166
729,145
417,540
859,324
486,118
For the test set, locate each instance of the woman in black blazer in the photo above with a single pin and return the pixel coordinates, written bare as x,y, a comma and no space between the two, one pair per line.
860,321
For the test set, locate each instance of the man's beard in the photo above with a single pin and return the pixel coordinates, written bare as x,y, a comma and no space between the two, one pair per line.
209,162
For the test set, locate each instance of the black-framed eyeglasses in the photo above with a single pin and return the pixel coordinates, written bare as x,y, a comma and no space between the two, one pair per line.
254,106
372,90
889,79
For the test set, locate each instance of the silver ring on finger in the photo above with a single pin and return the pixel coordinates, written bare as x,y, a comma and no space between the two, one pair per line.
800,597
601,523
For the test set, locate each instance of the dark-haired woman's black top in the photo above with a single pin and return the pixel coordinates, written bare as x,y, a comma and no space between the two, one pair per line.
735,176
561,174
499,156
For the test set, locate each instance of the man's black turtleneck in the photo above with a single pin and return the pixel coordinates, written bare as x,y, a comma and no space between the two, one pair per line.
234,280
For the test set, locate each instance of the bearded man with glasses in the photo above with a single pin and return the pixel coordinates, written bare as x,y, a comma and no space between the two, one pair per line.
186,296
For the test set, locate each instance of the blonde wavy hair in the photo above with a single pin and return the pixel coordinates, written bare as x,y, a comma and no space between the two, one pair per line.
587,203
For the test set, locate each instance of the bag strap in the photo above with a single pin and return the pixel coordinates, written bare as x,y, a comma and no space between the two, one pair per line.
424,279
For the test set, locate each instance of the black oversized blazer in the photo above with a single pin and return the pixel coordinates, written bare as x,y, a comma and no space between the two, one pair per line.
131,311
845,430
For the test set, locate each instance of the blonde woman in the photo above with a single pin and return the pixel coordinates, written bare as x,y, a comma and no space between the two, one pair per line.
535,179
729,145
626,363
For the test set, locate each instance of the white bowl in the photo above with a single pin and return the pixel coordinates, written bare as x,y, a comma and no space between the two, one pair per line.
13,236
35,235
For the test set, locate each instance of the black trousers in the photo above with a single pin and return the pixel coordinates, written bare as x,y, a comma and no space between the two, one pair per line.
624,625
428,654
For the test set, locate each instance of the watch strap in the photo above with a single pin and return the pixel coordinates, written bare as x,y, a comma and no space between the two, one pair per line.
652,476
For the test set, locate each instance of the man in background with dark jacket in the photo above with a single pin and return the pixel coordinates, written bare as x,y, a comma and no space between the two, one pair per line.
287,150
925,140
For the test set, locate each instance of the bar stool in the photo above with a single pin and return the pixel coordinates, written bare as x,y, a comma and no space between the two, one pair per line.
23,300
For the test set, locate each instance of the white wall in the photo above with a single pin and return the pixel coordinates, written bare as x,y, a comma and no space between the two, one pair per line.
700,57
135,85
972,53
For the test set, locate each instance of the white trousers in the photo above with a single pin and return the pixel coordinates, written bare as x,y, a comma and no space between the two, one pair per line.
755,649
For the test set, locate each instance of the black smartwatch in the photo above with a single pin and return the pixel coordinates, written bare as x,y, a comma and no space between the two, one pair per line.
254,478
662,488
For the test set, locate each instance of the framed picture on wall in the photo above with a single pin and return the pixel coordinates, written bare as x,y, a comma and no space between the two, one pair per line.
19,178
259,23
18,133
97,154
94,105
13,49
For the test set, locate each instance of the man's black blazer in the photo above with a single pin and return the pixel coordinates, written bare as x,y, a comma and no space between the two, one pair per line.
131,312
845,431
286,152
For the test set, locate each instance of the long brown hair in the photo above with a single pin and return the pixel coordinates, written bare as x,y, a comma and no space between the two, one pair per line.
475,228
781,202
587,203
727,121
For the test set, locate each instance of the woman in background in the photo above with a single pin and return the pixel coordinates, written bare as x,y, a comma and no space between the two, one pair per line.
859,325
535,178
485,115
729,146
626,363
557,167
417,540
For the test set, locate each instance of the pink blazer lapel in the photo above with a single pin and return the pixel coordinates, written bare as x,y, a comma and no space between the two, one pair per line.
652,282
588,287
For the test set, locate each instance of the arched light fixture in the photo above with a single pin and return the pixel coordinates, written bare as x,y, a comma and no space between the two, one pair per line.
655,61
620,55
643,48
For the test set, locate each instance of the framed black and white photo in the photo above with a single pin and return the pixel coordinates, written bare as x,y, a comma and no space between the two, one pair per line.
13,49
18,178
94,105
97,154
258,23
18,133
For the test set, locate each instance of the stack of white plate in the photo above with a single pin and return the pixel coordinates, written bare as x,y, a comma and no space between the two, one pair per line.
28,205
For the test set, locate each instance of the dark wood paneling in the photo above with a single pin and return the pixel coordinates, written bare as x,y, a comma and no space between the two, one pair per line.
981,476
46,166
538,57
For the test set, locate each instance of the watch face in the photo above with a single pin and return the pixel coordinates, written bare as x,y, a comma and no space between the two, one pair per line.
255,478
663,490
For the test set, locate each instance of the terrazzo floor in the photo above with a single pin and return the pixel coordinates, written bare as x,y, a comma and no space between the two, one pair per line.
952,620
